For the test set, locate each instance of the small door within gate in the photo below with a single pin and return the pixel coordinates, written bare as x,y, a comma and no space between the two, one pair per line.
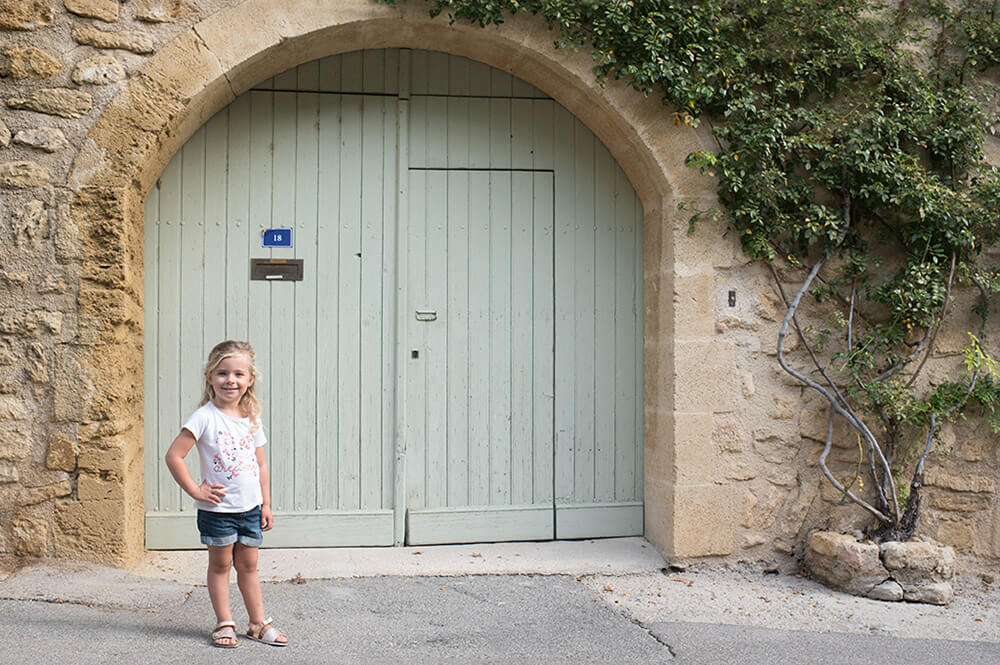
479,427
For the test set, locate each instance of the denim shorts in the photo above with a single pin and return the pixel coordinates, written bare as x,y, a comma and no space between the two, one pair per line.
221,529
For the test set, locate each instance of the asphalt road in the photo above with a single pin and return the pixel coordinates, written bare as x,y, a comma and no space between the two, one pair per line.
472,619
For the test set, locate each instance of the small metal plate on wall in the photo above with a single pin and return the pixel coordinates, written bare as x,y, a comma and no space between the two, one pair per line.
426,315
276,270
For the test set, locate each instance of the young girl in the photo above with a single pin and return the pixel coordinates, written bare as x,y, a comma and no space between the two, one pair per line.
234,497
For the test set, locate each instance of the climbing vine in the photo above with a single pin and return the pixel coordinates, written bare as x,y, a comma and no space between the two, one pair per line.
849,139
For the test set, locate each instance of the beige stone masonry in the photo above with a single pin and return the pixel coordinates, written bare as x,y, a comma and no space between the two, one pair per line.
128,40
22,175
105,10
163,11
4,135
62,102
101,69
25,14
48,139
26,62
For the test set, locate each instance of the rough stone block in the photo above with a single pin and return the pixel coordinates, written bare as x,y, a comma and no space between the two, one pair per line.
12,408
62,453
127,40
774,447
163,11
100,70
841,562
960,534
23,175
704,520
62,102
48,139
729,436
8,473
15,444
31,496
694,308
705,376
28,537
915,562
965,503
28,62
4,135
91,529
940,593
694,455
25,14
959,483
105,10
888,590
91,487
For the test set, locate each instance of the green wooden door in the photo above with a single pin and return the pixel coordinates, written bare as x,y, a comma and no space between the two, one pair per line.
479,392
521,417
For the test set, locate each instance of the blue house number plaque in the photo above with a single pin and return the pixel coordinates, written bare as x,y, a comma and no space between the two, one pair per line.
277,237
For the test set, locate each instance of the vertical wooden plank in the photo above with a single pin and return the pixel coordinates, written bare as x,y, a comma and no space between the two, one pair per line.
521,130
238,219
352,72
583,299
522,332
328,322
542,134
416,376
287,80
259,295
501,195
479,79
150,343
458,76
501,83
479,395
418,132
625,338
604,326
523,89
436,341
456,122
400,383
479,133
392,69
419,72
565,321
500,124
282,395
349,287
373,173
388,280
192,260
373,70
305,367
216,271
437,73
436,154
544,342
171,416
457,260
329,73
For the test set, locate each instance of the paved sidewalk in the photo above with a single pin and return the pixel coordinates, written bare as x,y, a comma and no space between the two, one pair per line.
605,601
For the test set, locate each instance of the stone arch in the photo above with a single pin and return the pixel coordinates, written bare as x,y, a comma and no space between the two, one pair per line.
204,68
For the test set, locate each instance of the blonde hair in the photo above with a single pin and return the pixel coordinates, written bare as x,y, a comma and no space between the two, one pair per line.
249,404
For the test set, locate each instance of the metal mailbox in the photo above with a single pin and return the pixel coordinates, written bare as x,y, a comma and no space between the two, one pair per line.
276,270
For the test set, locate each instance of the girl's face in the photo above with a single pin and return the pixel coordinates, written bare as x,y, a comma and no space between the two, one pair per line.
230,380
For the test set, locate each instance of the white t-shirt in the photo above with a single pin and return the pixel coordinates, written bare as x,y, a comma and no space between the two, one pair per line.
228,455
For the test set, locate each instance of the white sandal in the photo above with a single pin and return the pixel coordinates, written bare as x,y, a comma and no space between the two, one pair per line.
267,633
225,630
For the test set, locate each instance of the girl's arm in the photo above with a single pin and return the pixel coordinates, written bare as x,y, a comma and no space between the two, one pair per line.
178,469
266,516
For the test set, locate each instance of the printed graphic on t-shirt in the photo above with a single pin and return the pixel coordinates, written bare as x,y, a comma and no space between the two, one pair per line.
235,456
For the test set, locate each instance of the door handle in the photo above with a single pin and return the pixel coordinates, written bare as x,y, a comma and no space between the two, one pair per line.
426,315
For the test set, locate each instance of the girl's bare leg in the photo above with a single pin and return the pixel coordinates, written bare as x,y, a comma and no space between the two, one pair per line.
220,561
245,560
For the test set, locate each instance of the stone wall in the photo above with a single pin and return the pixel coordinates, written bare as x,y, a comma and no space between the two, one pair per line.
97,95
